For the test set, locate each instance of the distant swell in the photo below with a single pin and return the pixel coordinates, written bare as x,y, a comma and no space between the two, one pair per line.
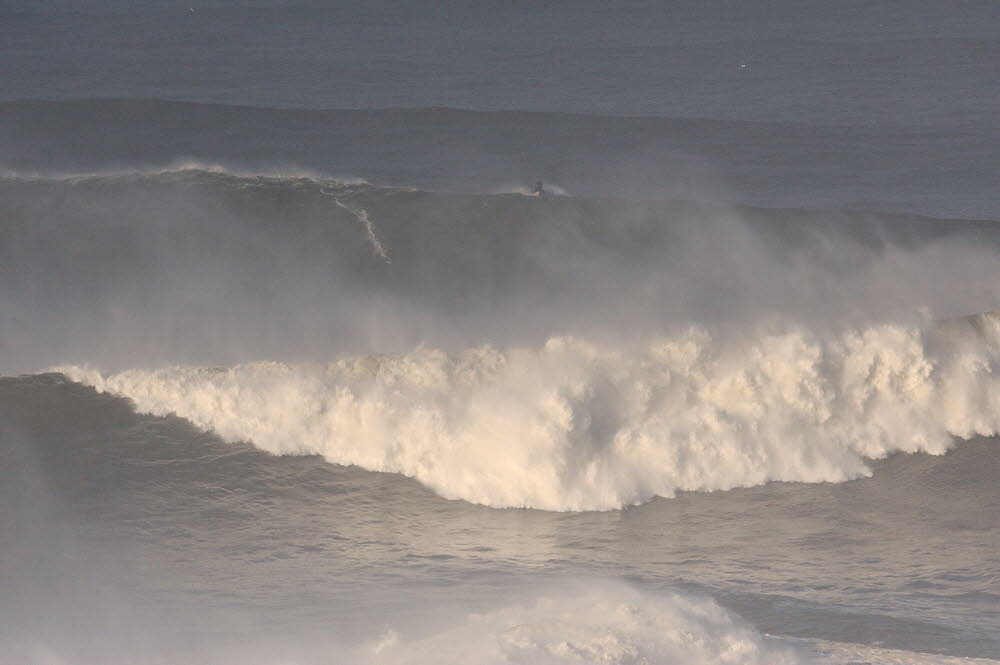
576,425
450,149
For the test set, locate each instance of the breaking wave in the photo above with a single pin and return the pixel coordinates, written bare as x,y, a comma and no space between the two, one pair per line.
578,425
557,352
616,624
601,623
190,168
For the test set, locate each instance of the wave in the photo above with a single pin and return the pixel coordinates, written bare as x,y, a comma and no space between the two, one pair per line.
210,266
571,353
191,170
179,132
595,621
774,164
576,425
200,264
606,623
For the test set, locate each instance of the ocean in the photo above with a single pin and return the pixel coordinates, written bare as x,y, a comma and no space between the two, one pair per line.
297,369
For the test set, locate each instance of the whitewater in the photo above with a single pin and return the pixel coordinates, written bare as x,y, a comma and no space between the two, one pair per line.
623,355
296,370
575,426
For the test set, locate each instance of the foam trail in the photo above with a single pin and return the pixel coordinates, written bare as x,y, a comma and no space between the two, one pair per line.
362,216
574,425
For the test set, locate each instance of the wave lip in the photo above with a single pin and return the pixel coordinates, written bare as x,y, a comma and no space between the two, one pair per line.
574,425
193,170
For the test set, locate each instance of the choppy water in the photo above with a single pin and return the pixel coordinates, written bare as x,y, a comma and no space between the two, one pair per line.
296,371
169,543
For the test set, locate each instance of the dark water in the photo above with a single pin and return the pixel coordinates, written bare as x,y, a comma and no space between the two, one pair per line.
915,63
296,371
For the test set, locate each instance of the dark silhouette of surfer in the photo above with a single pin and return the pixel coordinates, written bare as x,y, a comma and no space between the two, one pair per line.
538,189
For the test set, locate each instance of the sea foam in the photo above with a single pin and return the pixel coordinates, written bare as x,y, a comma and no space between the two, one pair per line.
579,425
608,622
605,622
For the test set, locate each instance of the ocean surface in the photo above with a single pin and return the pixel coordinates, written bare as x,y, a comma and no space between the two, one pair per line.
294,369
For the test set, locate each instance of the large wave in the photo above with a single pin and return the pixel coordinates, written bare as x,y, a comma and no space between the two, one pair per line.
207,266
578,425
561,353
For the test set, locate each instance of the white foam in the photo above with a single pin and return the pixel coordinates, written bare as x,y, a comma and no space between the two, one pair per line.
608,622
181,166
603,623
575,425
840,653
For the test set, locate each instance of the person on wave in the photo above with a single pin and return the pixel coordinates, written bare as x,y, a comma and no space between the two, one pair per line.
538,189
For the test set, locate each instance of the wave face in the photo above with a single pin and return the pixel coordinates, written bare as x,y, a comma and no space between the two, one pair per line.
948,170
198,266
574,425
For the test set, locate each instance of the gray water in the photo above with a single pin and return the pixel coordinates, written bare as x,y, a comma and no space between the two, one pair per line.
295,371
180,538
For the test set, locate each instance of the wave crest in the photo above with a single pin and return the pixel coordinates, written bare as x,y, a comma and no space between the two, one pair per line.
575,425
192,170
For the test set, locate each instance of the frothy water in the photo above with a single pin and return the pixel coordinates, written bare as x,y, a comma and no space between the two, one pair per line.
332,384
576,426
596,623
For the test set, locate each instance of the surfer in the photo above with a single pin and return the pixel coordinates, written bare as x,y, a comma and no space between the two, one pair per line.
538,189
